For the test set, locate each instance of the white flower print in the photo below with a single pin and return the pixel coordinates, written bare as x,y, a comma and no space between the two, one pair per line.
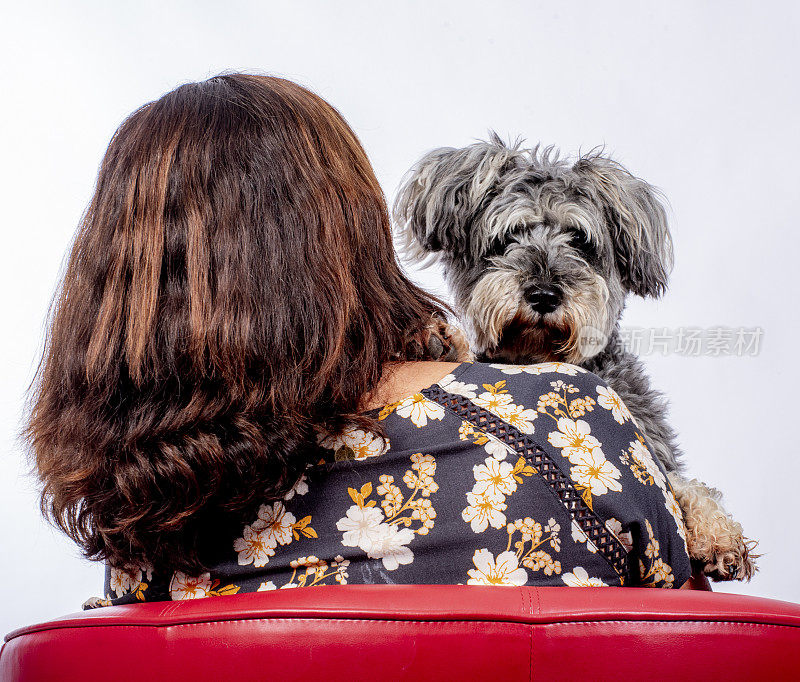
494,401
496,448
541,368
361,527
182,586
579,536
580,578
608,398
573,438
363,444
419,410
593,472
497,400
615,528
519,418
675,511
494,478
300,488
484,511
267,585
553,529
390,546
122,582
493,446
505,570
255,546
640,453
450,385
276,522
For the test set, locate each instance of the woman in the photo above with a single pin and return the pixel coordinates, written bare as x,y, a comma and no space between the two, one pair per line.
242,391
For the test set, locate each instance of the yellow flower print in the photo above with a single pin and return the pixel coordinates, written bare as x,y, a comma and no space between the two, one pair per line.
254,547
467,430
422,480
498,401
183,586
557,404
608,399
594,473
483,511
534,557
494,397
657,573
280,525
580,406
642,464
364,525
132,580
494,478
573,438
675,511
355,444
392,495
519,417
311,571
494,447
418,409
505,570
579,577
274,526
551,399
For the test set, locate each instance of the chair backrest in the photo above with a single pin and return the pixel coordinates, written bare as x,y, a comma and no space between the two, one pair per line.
430,632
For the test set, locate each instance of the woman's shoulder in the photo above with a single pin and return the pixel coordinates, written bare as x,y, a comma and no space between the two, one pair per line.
523,383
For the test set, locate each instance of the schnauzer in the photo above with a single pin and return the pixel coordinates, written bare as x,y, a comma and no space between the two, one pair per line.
540,254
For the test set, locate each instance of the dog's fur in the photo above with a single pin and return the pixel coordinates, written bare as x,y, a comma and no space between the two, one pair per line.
507,224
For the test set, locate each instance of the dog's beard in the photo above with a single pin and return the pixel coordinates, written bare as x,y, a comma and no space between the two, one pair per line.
523,341
507,330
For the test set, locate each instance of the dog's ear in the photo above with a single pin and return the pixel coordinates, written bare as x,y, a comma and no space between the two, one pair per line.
637,223
444,192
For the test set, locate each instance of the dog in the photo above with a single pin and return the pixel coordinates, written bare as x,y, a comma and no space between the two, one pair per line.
540,253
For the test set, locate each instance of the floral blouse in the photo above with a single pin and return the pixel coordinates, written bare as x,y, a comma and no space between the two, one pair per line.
495,475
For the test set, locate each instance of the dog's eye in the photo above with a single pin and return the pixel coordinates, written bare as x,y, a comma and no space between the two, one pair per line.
497,247
579,240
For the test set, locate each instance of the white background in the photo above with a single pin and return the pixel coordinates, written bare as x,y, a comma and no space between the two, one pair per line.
699,98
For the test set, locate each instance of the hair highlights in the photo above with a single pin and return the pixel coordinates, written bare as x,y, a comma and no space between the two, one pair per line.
232,288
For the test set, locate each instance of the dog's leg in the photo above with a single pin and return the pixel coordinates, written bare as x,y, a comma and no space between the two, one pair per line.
714,539
712,536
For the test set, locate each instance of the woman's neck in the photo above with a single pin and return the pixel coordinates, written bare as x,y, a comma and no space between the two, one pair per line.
402,379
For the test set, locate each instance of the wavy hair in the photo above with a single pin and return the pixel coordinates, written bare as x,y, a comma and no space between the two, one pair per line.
232,290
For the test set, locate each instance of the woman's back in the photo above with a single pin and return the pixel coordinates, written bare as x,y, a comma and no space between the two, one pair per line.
496,474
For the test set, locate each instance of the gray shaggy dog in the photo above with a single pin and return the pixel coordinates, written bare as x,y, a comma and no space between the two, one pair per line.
540,254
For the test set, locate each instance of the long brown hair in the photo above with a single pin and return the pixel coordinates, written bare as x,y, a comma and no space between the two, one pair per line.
232,289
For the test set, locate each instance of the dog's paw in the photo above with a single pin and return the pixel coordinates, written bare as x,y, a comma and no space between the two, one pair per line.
714,539
734,562
443,342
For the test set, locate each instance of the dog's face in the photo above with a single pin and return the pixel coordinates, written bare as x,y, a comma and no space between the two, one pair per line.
539,253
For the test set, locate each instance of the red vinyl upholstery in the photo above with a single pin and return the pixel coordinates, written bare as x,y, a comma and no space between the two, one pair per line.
434,632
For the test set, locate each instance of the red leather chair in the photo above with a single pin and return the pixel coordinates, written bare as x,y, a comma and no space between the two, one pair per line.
388,632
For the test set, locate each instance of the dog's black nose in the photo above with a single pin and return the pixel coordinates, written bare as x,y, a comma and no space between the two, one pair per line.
543,299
